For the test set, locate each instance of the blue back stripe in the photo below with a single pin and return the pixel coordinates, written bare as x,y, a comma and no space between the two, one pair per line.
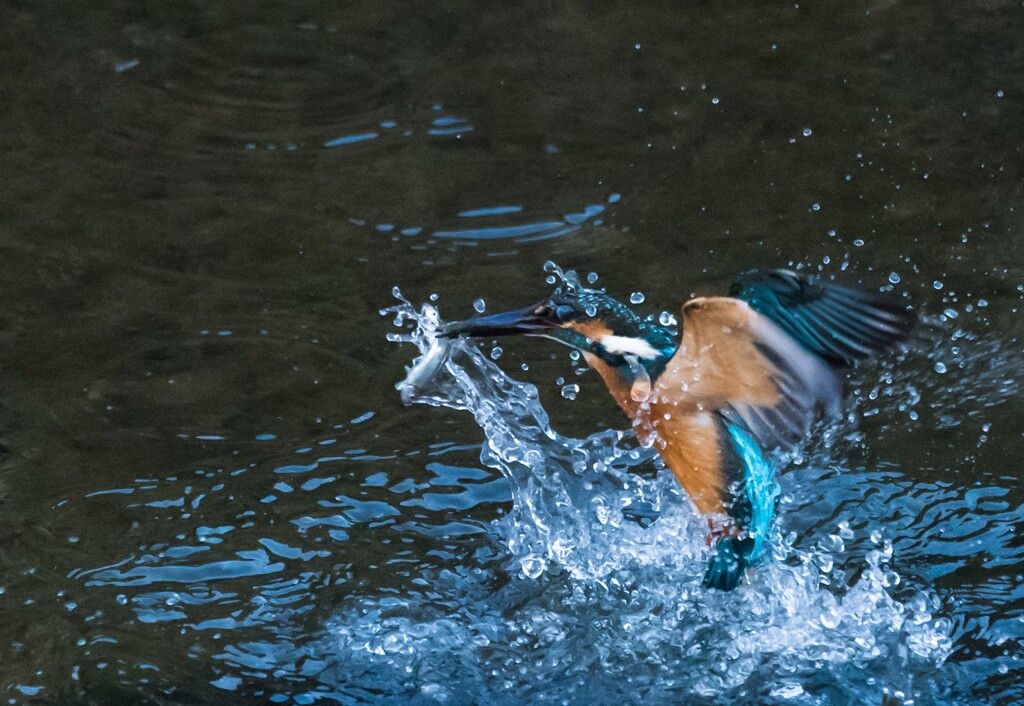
758,486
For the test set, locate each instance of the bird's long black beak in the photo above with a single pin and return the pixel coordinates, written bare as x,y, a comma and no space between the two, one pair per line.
531,320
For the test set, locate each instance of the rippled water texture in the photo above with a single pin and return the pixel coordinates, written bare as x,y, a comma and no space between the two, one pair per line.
210,490
622,558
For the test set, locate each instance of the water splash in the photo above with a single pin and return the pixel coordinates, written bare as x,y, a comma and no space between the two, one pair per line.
604,568
556,482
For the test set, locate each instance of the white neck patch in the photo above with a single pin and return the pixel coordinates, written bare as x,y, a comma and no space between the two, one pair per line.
626,345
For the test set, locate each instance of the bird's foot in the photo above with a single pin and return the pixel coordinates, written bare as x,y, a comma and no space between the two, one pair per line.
731,558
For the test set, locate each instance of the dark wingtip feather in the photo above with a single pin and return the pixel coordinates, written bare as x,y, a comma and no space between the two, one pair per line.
839,323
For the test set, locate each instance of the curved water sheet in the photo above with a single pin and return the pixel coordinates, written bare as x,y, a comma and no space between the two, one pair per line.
592,592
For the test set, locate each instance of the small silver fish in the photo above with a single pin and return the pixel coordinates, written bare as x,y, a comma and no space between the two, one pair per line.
424,369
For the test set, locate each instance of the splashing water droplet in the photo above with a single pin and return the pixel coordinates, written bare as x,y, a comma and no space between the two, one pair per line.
569,392
666,319
592,278
532,566
480,306
554,270
641,388
894,278
496,352
568,280
788,691
637,298
940,367
571,512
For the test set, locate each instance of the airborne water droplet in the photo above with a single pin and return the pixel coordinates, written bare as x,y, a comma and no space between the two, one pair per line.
532,566
569,392
480,306
555,271
666,319
568,513
637,298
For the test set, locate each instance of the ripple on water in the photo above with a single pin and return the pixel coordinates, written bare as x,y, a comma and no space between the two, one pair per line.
591,590
587,589
496,227
223,104
232,566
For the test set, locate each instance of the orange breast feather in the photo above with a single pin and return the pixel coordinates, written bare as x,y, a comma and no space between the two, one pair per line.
730,358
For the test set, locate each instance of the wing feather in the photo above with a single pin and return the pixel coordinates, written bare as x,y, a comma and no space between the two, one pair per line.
763,360
838,323
738,363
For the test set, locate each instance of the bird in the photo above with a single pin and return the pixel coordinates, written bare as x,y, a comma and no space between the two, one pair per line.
746,376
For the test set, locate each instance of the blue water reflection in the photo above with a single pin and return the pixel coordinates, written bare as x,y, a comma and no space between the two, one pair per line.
380,575
492,211
522,230
351,139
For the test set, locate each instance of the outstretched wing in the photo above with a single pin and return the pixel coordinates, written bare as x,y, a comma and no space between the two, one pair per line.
739,364
734,368
838,323
752,374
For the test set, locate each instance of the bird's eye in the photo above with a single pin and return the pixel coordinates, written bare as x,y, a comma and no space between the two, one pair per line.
564,312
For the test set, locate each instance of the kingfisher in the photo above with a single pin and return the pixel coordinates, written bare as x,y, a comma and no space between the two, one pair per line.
746,377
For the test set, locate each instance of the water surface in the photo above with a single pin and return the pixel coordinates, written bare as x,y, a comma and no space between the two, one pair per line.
210,491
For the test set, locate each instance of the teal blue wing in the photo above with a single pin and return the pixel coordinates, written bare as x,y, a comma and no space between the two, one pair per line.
836,323
840,324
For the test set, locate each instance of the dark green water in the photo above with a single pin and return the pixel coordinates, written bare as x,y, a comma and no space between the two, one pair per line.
205,205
